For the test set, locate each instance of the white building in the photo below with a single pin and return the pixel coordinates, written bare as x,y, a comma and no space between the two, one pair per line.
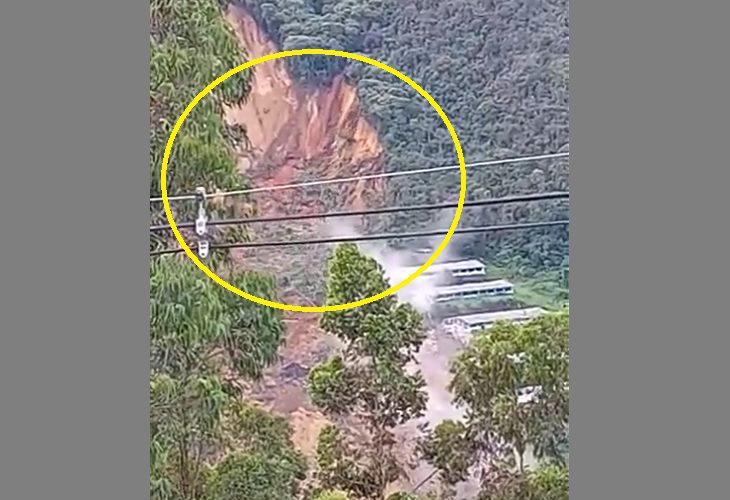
494,288
460,269
463,326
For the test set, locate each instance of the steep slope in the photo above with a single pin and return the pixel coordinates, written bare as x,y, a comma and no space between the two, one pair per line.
299,133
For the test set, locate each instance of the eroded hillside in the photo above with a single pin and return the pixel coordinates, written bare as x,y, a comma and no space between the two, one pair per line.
299,133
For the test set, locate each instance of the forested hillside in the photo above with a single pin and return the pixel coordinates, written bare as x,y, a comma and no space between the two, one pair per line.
499,69
190,45
205,441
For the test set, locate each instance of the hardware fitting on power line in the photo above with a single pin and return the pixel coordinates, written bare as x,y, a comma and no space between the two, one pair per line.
201,223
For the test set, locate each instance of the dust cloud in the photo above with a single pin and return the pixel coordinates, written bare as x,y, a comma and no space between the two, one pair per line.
398,264
438,350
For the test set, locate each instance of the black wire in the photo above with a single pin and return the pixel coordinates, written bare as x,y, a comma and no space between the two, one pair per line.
382,175
370,237
408,208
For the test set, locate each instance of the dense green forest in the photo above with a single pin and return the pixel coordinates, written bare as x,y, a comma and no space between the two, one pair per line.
206,443
190,45
499,69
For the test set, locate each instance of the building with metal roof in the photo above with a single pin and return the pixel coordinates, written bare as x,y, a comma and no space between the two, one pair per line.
461,268
462,326
494,288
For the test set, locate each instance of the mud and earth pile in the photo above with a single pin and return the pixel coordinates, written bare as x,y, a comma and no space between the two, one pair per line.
298,134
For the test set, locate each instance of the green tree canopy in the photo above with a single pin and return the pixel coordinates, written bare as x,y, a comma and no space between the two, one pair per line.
513,382
205,444
191,44
369,380
203,339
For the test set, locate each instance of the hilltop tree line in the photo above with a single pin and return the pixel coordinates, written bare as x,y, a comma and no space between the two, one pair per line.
499,69
207,442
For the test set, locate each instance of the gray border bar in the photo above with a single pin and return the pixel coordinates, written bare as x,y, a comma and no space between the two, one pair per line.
649,272
74,349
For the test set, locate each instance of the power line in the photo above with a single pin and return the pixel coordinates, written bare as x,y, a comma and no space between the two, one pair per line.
382,175
371,237
425,480
407,208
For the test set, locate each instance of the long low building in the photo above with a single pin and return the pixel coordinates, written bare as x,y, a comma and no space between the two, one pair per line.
493,288
461,268
462,326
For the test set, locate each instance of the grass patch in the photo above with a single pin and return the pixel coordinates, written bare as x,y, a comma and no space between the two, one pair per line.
544,289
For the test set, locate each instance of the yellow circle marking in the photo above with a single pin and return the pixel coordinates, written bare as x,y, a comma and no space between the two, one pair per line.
302,52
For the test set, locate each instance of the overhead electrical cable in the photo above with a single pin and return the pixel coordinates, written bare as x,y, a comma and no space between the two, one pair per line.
382,175
555,195
371,237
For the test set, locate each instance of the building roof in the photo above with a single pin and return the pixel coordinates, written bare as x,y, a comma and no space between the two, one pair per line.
491,317
472,287
461,264
449,266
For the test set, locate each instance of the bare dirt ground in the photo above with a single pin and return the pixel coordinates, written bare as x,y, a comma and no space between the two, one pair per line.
295,135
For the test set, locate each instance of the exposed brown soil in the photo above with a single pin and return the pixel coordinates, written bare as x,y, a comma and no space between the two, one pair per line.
297,134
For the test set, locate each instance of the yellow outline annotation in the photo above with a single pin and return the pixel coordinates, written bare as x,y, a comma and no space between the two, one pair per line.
302,52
